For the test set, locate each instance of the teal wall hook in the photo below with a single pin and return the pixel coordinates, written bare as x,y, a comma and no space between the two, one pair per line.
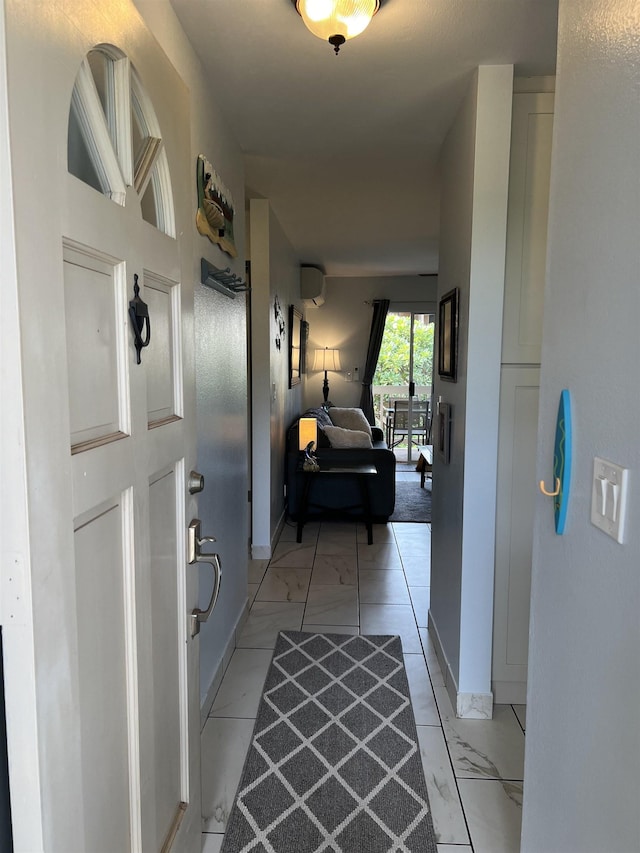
561,463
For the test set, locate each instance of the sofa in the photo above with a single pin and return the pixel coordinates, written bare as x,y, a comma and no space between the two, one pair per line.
342,495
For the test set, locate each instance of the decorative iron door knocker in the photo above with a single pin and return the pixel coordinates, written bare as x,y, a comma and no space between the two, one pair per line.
139,313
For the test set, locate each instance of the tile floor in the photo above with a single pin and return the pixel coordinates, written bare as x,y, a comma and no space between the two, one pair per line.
333,581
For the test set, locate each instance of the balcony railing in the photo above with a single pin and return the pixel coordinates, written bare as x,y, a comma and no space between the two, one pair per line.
384,394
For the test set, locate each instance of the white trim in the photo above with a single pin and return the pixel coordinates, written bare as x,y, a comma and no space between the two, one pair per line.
159,174
207,704
122,120
183,621
95,132
131,652
261,552
15,551
467,706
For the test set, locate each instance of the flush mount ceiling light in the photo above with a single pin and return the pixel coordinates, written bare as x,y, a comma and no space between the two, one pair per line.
336,21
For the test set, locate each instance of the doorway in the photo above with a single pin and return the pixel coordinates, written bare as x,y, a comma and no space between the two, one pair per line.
403,382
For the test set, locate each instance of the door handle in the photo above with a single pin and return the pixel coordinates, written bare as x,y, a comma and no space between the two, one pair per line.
195,542
412,389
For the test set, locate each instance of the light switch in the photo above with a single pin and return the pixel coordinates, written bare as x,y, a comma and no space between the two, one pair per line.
609,497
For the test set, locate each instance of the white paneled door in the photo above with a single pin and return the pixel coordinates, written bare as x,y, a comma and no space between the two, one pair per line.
113,764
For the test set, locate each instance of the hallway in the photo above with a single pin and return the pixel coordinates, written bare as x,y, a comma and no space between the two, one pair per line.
334,582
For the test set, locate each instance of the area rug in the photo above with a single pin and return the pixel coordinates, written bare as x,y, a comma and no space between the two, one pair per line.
412,502
334,763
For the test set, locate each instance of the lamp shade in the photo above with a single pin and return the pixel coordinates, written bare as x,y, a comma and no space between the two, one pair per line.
329,18
307,432
326,359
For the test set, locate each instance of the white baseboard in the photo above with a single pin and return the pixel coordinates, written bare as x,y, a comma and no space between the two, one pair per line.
207,704
260,552
469,706
265,552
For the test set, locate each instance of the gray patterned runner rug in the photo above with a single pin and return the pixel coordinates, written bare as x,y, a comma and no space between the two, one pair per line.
334,763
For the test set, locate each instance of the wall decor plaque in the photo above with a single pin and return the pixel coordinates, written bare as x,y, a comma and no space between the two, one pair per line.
214,217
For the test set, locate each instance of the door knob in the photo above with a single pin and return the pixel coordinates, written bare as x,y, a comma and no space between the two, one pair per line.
195,482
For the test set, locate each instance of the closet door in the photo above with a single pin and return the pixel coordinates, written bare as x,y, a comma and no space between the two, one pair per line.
514,531
532,126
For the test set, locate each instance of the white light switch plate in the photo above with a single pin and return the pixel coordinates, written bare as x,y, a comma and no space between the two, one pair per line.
609,497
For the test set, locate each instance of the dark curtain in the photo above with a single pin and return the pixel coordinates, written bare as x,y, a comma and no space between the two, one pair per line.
380,309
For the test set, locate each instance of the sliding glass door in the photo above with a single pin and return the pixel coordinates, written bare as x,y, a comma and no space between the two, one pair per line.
402,385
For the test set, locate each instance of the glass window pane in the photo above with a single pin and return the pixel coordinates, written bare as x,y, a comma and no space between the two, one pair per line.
148,202
79,161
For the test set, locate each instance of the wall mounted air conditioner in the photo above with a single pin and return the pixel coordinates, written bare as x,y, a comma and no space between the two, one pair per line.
312,284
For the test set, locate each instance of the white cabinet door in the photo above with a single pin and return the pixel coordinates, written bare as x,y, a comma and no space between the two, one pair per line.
530,169
514,530
109,668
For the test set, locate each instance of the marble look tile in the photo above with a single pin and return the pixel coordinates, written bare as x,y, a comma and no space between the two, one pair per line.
310,532
494,814
340,543
446,808
332,605
422,699
282,584
293,555
420,599
415,547
257,568
212,842
241,688
330,629
347,528
379,556
224,745
391,619
380,587
335,569
252,591
266,619
381,533
417,571
521,713
408,530
485,749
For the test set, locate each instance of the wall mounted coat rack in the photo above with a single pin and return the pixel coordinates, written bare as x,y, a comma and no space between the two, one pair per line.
224,281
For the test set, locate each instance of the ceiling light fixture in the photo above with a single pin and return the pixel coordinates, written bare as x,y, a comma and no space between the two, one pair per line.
336,21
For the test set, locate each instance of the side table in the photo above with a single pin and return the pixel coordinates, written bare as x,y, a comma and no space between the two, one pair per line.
360,473
425,462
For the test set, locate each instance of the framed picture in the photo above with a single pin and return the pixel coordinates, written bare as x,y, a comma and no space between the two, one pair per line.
303,346
295,346
448,336
443,432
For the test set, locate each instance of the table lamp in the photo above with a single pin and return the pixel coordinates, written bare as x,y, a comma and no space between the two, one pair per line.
307,440
326,359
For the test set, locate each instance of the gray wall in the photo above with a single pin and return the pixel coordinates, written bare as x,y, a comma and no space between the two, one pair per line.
583,738
344,321
220,348
475,169
274,272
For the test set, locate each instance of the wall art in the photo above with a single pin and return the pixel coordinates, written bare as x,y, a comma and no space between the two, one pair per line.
214,217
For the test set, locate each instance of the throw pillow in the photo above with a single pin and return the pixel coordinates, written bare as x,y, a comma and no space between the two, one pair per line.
340,437
349,419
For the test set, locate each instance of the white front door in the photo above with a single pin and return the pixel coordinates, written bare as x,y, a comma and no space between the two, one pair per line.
109,740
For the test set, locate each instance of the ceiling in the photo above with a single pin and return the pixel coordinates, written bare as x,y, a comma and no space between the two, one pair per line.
346,147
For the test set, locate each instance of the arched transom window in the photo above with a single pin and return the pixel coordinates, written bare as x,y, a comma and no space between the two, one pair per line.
114,139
